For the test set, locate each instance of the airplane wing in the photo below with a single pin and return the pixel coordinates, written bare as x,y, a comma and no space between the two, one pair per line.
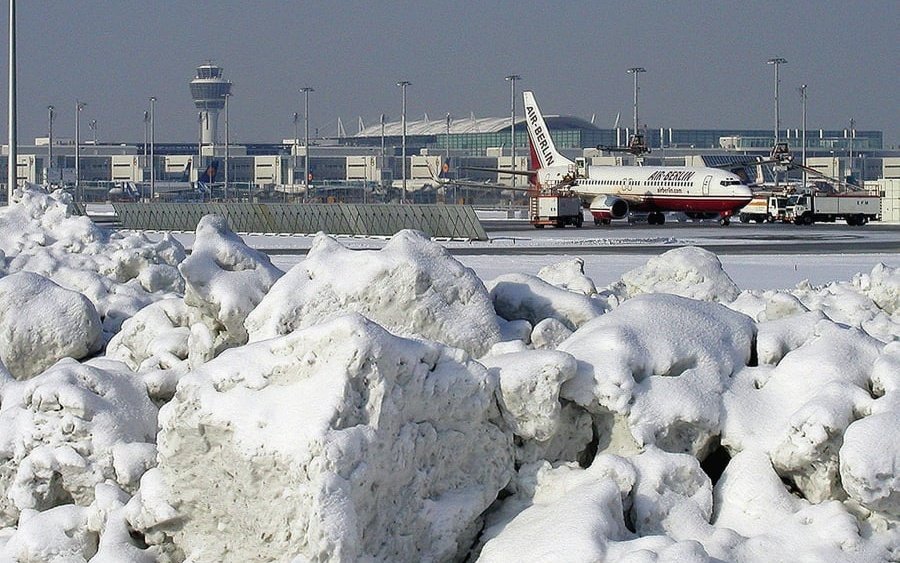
477,185
501,170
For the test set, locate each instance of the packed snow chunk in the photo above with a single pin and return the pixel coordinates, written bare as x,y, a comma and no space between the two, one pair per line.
157,336
529,390
584,509
40,322
337,442
881,285
60,431
663,361
797,411
225,278
751,499
568,275
412,286
870,458
776,338
58,535
844,303
523,296
689,271
767,305
665,482
119,272
548,334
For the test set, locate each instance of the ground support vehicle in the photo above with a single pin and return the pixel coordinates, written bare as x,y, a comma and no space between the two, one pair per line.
856,208
557,209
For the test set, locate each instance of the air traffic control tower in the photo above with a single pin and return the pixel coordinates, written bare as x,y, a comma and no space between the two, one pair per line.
209,89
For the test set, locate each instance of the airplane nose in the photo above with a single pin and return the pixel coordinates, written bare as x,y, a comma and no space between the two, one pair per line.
743,191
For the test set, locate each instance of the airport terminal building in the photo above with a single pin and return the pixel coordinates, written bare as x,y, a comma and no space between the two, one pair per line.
348,167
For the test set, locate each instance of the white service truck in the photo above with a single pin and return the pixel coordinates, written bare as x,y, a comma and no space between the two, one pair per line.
856,208
764,207
555,208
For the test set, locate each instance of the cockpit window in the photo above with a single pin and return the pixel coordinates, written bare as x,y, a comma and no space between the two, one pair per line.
730,182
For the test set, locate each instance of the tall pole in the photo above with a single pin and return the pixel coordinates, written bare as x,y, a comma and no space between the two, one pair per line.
776,62
93,127
306,90
447,158
78,107
49,142
152,148
12,173
512,122
227,142
296,149
403,84
803,139
635,71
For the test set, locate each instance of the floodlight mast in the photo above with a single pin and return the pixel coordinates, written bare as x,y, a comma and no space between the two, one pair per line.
512,122
403,84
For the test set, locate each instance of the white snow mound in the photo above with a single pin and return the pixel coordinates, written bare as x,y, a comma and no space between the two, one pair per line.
336,442
59,432
523,296
225,279
689,271
412,286
40,323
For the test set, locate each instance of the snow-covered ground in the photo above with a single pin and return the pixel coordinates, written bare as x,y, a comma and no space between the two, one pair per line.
400,404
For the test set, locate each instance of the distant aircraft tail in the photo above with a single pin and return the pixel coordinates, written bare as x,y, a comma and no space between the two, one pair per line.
186,174
209,175
543,151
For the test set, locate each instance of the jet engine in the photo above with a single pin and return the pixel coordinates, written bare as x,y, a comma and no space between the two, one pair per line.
609,207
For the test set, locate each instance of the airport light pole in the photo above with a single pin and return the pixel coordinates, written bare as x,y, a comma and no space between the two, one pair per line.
776,62
227,142
93,127
403,84
50,116
635,71
512,122
305,91
12,173
152,147
79,106
803,138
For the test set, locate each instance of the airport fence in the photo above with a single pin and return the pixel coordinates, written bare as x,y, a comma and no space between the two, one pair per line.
441,221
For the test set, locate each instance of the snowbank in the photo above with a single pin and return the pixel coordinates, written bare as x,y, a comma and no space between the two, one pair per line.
523,296
663,361
68,429
339,441
119,272
412,286
225,279
40,323
689,271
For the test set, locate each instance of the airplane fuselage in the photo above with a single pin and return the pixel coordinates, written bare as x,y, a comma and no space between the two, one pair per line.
654,188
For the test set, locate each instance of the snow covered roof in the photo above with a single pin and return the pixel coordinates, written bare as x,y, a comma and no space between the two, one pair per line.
469,124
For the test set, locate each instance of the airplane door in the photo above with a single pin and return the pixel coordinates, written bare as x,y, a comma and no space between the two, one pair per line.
706,182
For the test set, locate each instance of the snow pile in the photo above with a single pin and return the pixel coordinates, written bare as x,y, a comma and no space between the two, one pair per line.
336,412
69,429
568,275
527,297
797,411
119,273
688,271
225,279
40,322
394,451
412,286
663,361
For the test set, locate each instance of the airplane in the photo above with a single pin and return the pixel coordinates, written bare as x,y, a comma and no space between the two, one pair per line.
201,186
611,192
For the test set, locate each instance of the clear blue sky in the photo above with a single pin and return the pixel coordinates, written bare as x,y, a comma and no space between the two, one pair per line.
705,62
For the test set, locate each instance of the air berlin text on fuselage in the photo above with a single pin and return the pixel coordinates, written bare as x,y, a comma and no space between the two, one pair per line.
670,176
540,137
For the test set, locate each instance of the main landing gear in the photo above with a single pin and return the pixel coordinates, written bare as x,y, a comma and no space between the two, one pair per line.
656,218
